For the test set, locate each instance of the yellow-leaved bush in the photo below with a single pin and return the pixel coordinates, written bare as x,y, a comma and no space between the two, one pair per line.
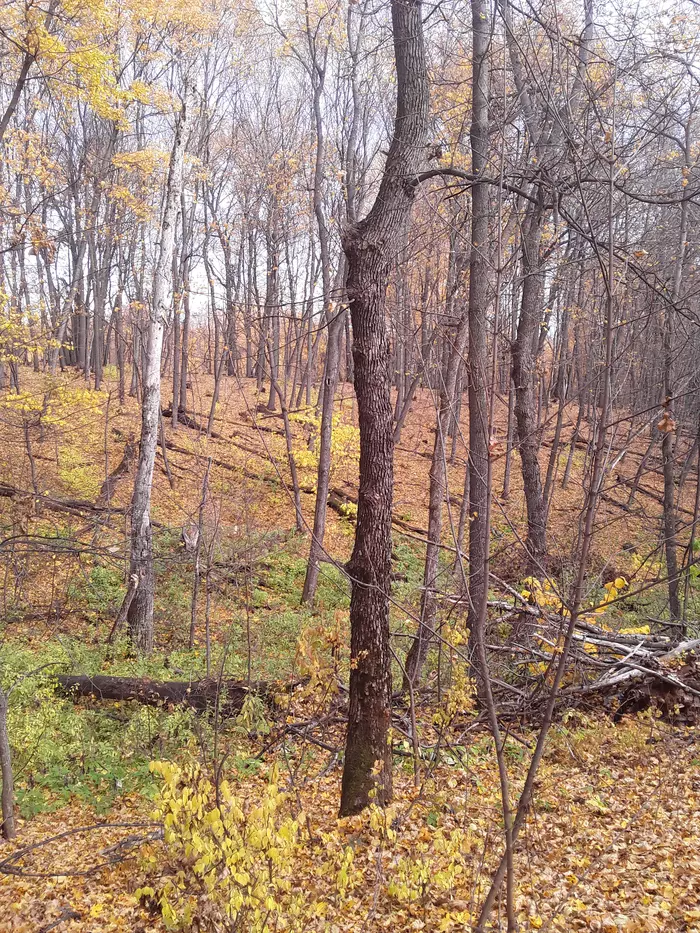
227,865
545,595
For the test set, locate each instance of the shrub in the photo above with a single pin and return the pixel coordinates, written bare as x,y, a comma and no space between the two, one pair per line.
230,865
236,865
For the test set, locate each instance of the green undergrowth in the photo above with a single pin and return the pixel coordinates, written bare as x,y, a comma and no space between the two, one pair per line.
63,750
97,752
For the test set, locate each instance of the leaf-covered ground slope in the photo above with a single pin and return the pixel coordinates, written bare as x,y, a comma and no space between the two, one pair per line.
613,844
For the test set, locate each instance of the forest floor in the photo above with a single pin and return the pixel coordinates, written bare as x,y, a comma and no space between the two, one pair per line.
614,837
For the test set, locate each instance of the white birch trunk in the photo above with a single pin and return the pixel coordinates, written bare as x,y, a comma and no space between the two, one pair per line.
140,617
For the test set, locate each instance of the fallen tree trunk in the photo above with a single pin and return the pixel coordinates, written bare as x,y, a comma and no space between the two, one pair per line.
188,421
69,506
339,499
201,695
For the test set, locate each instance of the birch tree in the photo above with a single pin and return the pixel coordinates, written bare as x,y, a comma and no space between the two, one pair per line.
141,590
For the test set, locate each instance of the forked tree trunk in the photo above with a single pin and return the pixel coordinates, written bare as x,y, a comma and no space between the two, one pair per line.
370,247
140,615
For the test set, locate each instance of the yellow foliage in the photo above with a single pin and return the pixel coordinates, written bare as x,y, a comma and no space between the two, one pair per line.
544,594
345,441
56,406
239,858
232,864
78,476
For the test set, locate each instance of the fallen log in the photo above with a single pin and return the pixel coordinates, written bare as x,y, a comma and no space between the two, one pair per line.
200,695
188,421
339,499
69,506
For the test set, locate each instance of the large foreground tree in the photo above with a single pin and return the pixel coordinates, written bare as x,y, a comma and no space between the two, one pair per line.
371,247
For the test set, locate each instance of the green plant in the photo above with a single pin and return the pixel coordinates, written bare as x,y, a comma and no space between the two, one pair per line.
101,592
64,750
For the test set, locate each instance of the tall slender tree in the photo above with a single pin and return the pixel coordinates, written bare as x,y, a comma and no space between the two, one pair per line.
141,592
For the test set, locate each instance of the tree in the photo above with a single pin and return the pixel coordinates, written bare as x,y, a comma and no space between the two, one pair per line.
479,537
334,317
370,247
141,594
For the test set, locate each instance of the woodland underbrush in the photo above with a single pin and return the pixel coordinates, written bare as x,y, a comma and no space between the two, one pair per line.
151,817
232,824
217,828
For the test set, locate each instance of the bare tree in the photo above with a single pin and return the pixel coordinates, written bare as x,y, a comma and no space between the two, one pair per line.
370,247
140,612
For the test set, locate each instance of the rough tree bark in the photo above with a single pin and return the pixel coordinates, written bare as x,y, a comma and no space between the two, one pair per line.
667,444
370,247
478,460
140,614
7,827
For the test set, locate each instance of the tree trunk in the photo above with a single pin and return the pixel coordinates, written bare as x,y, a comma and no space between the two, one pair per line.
176,351
369,247
119,341
8,789
335,325
667,445
525,382
272,308
185,286
438,484
332,368
197,554
478,462
140,617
